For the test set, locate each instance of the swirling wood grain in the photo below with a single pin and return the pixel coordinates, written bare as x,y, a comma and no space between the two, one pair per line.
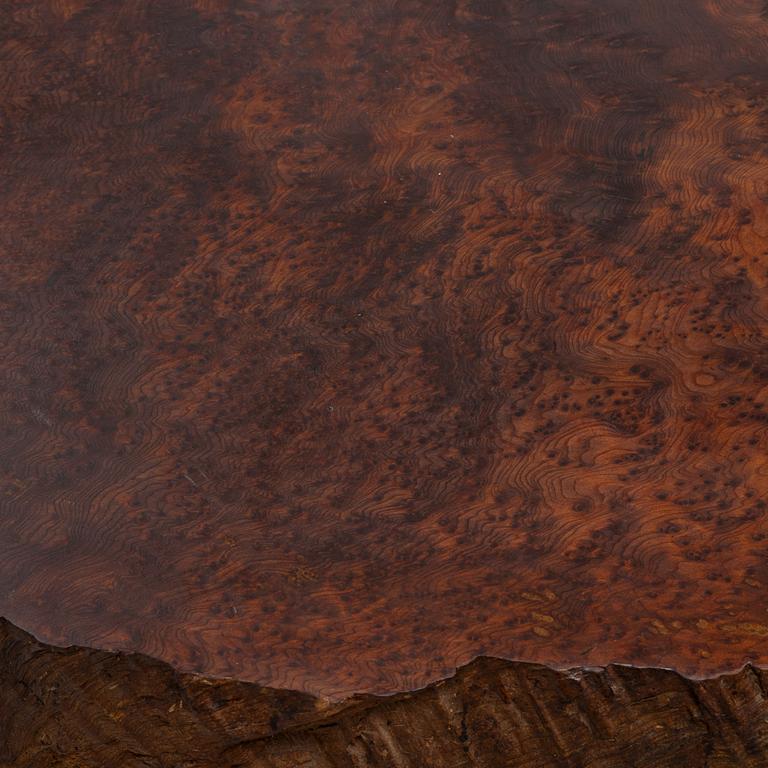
345,341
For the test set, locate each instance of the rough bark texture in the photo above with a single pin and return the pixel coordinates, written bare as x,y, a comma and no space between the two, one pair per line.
81,708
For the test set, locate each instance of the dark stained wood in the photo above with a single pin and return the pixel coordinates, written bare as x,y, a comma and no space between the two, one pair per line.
80,708
344,341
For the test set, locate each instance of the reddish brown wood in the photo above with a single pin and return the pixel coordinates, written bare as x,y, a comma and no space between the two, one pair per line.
345,341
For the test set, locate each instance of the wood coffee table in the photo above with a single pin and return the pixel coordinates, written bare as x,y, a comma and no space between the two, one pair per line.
345,341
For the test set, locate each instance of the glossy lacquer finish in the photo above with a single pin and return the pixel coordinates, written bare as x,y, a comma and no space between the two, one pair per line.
345,341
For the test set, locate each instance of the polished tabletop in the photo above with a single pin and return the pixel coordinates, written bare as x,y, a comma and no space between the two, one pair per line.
342,341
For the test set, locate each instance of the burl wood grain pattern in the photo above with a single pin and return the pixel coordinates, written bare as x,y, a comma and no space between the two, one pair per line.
345,340
80,708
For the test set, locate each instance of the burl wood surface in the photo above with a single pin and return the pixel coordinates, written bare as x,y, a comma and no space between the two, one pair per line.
81,708
345,340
